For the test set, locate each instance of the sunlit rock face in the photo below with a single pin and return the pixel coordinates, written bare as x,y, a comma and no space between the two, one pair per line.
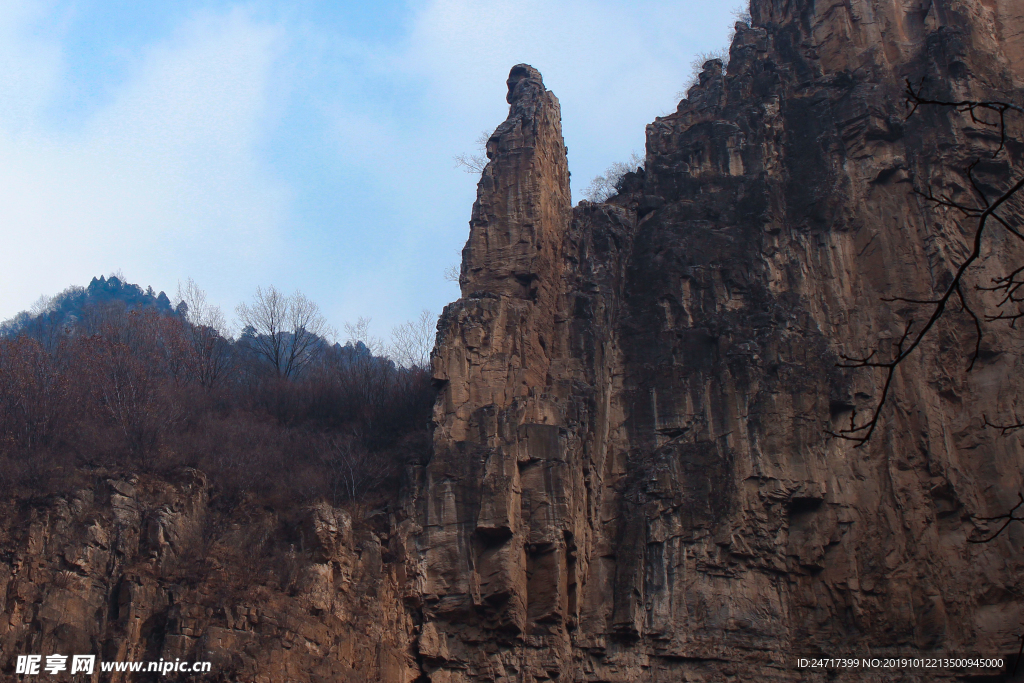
633,478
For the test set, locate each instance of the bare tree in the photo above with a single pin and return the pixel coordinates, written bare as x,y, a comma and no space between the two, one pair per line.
198,310
44,304
987,212
412,342
287,331
604,186
742,14
360,334
35,402
474,163
353,469
126,375
207,352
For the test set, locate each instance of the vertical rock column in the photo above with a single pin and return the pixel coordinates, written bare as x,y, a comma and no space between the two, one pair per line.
489,563
522,208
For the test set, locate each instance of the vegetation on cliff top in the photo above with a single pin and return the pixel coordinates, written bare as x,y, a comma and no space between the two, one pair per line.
111,375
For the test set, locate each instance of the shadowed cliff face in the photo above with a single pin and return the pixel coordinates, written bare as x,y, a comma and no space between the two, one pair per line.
631,476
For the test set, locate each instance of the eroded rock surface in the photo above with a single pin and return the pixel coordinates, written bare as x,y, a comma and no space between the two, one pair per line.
141,569
633,478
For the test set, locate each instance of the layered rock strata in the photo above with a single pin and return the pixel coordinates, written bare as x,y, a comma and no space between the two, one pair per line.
633,478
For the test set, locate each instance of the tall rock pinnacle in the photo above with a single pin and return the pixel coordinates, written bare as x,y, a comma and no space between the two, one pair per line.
499,545
523,203
525,361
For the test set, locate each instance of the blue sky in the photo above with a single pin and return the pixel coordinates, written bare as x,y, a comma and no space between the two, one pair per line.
306,144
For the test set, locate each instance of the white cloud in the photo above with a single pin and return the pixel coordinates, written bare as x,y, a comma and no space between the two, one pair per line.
30,65
613,67
166,174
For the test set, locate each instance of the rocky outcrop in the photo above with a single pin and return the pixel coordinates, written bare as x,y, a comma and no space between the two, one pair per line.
510,504
633,477
143,569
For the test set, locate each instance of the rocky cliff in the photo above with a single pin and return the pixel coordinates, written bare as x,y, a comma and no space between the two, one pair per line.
139,568
632,477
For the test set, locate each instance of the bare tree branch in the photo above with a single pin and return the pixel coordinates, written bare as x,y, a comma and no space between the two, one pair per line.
972,107
1010,285
474,163
1005,428
1006,518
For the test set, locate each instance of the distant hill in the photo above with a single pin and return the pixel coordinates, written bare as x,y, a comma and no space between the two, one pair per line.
67,308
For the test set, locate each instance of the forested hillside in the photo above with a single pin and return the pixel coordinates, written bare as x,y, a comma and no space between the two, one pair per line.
111,375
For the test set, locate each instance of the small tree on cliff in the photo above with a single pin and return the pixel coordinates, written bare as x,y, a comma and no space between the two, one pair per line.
474,163
604,186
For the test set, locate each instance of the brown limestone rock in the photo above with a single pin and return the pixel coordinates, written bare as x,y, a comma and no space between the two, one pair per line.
632,477
522,205
493,365
261,597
